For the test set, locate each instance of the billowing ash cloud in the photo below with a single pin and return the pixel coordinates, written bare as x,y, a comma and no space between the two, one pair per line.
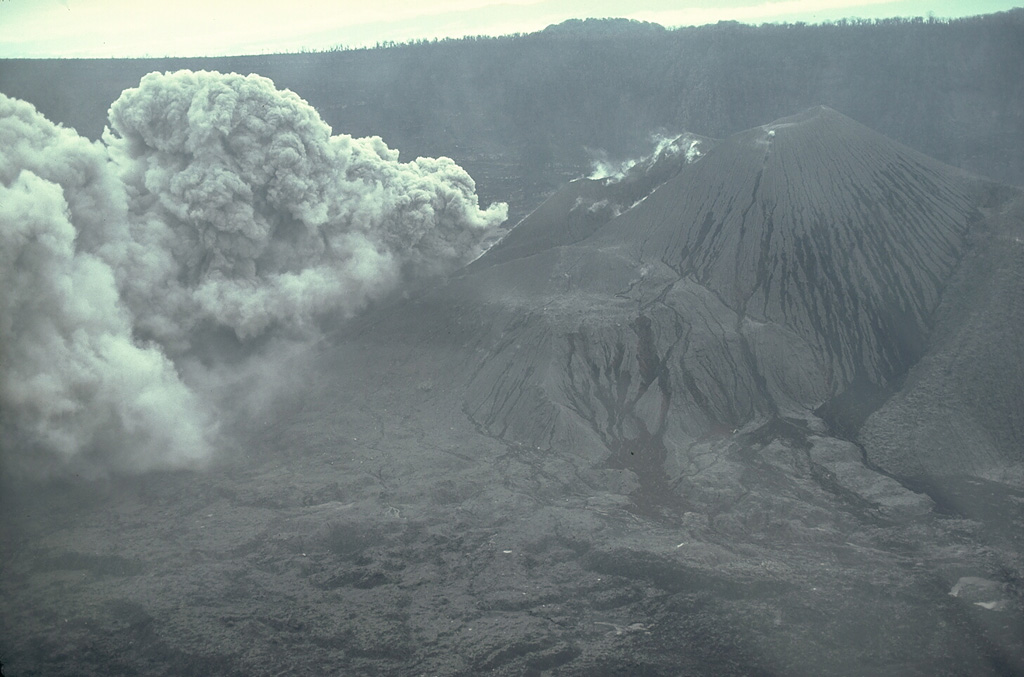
215,203
250,215
74,384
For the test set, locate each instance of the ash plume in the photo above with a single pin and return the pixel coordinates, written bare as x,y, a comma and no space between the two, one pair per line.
215,205
262,219
74,383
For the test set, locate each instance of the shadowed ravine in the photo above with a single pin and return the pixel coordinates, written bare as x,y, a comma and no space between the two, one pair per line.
634,443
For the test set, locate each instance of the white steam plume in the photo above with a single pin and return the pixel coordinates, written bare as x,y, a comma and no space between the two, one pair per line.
603,168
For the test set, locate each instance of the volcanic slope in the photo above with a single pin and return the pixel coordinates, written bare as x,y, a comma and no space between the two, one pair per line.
819,224
791,274
670,405
579,209
627,449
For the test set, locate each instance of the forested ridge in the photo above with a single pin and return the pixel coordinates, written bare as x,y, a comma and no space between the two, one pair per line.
524,112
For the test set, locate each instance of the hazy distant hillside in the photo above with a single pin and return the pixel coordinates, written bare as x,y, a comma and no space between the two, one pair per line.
523,112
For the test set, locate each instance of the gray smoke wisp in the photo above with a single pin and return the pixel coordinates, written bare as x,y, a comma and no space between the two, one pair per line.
215,203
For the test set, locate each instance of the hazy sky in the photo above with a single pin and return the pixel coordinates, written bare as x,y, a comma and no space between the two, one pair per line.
100,28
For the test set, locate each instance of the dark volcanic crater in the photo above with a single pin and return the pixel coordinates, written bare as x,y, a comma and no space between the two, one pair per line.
681,433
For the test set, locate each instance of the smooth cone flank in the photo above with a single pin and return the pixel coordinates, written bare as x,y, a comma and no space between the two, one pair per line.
820,224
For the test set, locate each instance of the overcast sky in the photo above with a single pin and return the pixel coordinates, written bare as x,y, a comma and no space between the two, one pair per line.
103,28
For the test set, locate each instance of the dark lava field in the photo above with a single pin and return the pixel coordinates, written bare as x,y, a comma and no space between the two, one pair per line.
631,449
750,405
